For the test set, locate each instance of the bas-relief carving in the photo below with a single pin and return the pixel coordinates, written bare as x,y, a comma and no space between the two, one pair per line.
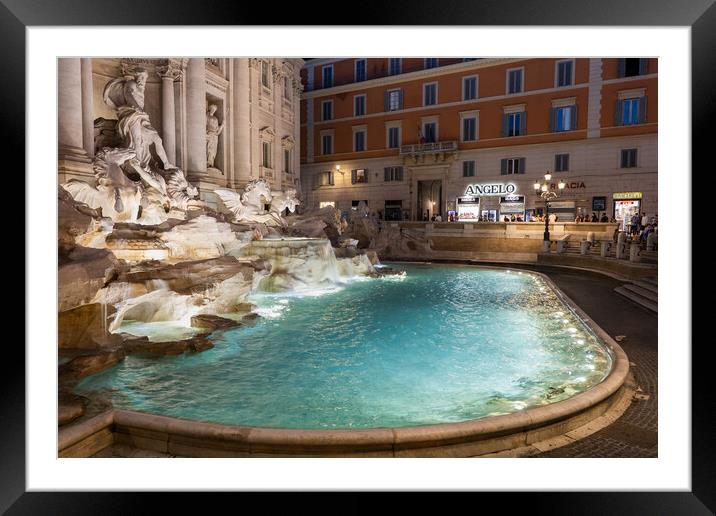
129,184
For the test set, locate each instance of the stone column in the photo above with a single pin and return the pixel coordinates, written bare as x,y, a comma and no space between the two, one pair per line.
242,122
196,118
72,156
87,107
296,165
169,73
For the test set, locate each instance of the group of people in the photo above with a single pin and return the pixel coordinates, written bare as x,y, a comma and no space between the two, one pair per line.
593,218
641,225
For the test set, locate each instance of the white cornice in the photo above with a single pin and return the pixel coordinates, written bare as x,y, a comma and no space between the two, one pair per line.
404,77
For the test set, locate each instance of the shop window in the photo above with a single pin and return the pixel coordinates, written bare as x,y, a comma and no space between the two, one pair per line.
356,204
323,204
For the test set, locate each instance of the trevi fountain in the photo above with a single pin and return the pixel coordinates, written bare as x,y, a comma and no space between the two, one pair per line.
256,327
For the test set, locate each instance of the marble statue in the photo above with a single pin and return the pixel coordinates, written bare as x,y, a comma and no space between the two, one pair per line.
213,130
128,185
249,206
282,200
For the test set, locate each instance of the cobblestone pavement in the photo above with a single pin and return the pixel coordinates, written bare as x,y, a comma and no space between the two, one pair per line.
635,433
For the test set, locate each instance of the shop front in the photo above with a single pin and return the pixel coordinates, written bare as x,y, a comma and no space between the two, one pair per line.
468,209
512,205
626,205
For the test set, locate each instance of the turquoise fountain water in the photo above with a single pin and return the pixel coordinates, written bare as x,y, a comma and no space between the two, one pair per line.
440,344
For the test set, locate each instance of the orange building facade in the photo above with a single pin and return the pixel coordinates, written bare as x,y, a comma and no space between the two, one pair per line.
413,138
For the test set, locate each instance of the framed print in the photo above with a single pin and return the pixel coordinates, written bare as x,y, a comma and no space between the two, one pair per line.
379,269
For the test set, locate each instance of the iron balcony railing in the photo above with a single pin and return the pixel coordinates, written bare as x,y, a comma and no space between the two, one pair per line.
429,148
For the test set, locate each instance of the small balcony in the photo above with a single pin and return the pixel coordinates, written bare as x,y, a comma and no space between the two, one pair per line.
434,152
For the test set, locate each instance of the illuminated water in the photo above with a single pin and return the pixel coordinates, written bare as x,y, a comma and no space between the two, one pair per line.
442,344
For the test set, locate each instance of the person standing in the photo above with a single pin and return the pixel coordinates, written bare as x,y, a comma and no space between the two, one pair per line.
644,220
635,224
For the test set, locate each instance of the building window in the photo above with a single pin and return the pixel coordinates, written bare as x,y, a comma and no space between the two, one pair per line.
430,94
265,74
287,88
469,129
394,65
468,168
325,179
393,173
561,162
513,124
266,154
430,130
564,118
431,62
327,144
510,166
287,161
631,111
327,110
359,176
359,105
393,100
328,76
632,66
360,70
469,88
323,204
628,158
564,73
514,81
393,137
359,141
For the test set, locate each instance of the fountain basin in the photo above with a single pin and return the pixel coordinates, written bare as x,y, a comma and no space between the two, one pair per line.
486,434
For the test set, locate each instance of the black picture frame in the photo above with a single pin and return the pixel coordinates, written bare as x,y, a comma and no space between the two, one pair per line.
700,15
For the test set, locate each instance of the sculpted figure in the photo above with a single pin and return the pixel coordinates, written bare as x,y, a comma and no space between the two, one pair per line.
249,206
282,201
126,95
213,130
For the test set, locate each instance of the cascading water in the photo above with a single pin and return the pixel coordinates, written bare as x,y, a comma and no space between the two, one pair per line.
300,264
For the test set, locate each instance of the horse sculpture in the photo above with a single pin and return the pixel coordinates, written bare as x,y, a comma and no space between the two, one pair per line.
249,206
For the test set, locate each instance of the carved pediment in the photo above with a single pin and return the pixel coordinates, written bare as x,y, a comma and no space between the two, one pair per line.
287,142
267,134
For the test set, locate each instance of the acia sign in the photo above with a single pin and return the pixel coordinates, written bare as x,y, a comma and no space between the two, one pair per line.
491,189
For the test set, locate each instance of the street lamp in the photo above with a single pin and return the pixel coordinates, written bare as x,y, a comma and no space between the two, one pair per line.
543,189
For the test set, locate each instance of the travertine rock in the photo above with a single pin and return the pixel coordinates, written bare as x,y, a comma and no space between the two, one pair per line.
85,327
82,272
213,322
93,363
198,344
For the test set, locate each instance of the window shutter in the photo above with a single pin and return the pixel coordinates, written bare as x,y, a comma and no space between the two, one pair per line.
399,174
523,123
400,99
621,67
565,163
642,109
573,121
503,167
386,174
643,66
354,175
505,121
365,175
553,120
386,101
522,165
618,112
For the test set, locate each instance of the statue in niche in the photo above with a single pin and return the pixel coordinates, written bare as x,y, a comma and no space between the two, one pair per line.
213,130
128,184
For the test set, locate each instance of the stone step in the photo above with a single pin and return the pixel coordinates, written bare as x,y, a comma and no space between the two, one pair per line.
647,284
651,281
636,298
643,292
